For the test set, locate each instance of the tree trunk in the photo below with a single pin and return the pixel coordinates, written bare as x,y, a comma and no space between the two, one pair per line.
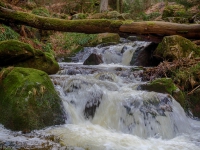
100,25
118,5
104,5
121,6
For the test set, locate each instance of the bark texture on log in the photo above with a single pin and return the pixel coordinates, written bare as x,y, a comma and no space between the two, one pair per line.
162,28
101,25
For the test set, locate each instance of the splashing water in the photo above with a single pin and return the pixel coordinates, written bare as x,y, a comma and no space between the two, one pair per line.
105,111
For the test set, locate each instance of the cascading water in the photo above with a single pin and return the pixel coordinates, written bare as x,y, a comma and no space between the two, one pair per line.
106,111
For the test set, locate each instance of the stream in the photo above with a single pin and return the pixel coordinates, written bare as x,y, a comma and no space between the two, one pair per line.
106,110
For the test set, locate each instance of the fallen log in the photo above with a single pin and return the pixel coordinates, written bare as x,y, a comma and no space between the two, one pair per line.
46,23
100,25
162,28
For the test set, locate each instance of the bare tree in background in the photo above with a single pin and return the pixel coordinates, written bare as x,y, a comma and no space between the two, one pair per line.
119,5
103,5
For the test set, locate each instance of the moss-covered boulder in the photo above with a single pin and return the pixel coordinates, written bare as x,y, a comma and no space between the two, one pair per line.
13,51
176,47
16,53
42,61
174,11
165,85
28,100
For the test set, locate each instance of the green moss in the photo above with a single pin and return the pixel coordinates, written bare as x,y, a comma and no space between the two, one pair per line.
28,100
150,23
128,22
163,85
14,45
176,47
13,51
174,11
116,24
42,61
41,11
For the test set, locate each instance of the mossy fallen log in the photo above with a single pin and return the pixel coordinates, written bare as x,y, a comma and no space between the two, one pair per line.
101,25
46,23
162,28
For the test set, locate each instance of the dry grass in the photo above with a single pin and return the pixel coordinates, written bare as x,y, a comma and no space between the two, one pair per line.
184,72
165,69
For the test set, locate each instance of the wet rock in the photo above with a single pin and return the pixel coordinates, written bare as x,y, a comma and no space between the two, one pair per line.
28,100
93,59
176,47
106,76
164,85
75,85
156,105
143,55
92,104
159,107
124,49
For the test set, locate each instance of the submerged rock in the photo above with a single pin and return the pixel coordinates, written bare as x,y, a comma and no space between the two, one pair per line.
28,100
16,53
175,47
165,85
93,59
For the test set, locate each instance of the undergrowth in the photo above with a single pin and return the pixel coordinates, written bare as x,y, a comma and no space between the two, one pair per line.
67,42
7,33
41,11
184,72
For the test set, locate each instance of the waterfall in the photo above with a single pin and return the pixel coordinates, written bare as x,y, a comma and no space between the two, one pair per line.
106,111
